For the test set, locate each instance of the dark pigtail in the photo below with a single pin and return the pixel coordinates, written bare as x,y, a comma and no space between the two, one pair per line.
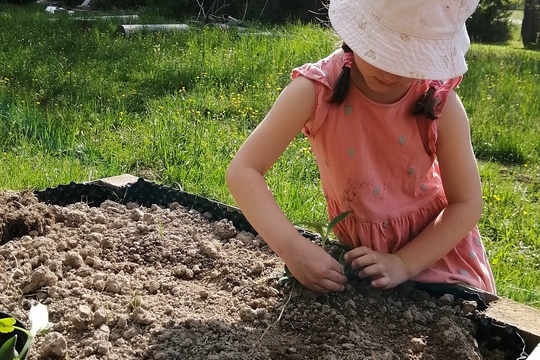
426,104
341,86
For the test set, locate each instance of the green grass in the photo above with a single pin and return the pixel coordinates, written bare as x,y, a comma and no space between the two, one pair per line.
81,102
500,93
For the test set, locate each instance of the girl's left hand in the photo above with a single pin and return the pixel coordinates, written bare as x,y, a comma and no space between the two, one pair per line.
387,270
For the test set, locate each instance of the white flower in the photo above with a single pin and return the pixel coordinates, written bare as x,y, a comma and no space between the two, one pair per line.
39,319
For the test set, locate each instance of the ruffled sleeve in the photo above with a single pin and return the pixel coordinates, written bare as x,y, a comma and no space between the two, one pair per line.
323,73
442,89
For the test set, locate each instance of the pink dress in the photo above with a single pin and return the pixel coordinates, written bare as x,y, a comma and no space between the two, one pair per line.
379,161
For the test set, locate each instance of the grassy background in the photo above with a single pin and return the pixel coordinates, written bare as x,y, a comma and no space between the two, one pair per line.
79,102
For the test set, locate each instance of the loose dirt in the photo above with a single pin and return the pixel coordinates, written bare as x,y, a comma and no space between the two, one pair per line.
128,282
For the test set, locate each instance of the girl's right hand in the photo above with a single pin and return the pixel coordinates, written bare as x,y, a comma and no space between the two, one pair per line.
313,267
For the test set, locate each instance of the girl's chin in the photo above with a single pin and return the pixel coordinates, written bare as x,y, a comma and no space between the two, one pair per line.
384,84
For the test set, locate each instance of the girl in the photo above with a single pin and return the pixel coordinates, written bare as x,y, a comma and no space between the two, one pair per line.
392,146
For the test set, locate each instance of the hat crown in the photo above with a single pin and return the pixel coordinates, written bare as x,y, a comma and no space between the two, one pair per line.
423,39
435,19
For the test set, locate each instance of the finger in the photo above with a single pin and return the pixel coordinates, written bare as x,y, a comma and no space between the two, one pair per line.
335,266
317,288
381,282
337,276
365,260
324,286
372,270
355,253
331,286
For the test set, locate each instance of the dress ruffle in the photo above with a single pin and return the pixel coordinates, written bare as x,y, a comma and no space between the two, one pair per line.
379,161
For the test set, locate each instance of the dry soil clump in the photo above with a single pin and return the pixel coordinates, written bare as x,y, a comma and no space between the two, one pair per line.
128,282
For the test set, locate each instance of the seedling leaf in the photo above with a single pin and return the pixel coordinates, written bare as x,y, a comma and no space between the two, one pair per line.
7,325
7,351
342,259
337,219
314,226
287,277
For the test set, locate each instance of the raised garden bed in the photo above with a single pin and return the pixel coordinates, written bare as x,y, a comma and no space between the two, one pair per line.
133,270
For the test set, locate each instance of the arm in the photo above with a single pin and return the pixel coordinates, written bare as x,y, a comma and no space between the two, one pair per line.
311,265
461,182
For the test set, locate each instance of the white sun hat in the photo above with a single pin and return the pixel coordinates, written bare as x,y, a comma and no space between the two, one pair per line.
421,39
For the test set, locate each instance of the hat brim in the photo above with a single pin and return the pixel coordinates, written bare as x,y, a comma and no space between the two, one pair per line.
400,54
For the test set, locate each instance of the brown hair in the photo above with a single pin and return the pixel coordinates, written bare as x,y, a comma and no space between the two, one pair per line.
425,105
341,86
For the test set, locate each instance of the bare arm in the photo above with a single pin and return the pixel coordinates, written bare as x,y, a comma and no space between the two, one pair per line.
245,179
461,182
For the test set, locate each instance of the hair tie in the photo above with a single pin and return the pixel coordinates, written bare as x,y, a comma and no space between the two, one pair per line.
348,58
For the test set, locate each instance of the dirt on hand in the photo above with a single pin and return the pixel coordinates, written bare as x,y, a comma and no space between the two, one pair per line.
129,282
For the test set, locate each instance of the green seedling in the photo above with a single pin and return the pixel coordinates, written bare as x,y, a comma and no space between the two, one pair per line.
324,231
39,322
135,302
